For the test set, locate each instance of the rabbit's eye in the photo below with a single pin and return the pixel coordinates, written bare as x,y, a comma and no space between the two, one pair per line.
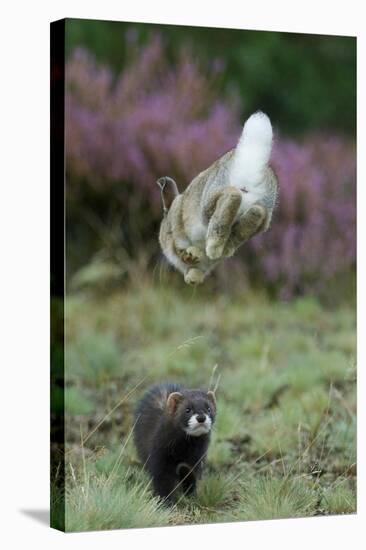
188,410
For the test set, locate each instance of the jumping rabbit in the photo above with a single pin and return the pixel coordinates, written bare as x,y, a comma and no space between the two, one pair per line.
224,206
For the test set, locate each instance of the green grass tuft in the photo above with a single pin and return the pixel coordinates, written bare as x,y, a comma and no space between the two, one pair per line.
214,492
98,502
271,498
339,499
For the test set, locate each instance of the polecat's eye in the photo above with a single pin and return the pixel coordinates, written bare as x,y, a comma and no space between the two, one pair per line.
188,410
208,409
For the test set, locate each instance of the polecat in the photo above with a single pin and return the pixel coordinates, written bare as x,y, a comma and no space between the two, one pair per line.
172,433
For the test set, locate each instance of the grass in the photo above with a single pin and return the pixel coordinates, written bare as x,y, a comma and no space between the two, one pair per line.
284,444
99,502
339,499
272,498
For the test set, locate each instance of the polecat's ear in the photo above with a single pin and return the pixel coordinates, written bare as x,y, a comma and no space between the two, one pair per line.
173,400
211,397
168,190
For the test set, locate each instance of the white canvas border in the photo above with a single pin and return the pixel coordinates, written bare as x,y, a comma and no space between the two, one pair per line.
24,355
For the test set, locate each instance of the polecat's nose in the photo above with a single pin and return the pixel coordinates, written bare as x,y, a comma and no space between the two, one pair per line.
201,417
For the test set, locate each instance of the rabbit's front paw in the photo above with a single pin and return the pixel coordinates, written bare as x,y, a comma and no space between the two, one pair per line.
194,277
191,255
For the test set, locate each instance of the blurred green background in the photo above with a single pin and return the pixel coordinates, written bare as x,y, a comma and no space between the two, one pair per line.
305,81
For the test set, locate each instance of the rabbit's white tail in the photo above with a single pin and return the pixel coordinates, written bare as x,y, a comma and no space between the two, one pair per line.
252,153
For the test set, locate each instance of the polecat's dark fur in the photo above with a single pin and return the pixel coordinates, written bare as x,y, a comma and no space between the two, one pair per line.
172,434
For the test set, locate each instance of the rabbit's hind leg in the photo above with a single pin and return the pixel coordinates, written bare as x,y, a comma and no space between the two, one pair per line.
227,203
254,221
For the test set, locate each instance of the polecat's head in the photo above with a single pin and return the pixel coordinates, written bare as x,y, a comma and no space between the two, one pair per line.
193,411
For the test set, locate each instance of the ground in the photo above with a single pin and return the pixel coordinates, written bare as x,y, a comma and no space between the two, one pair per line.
284,444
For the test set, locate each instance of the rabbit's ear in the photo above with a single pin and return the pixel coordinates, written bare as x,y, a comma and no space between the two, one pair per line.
168,190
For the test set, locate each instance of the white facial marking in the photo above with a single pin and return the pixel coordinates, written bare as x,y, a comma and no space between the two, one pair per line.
196,428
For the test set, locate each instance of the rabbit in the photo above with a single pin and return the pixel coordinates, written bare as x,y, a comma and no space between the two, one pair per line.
223,206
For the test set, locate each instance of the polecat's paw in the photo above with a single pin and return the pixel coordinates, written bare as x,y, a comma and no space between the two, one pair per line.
192,255
214,249
194,277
